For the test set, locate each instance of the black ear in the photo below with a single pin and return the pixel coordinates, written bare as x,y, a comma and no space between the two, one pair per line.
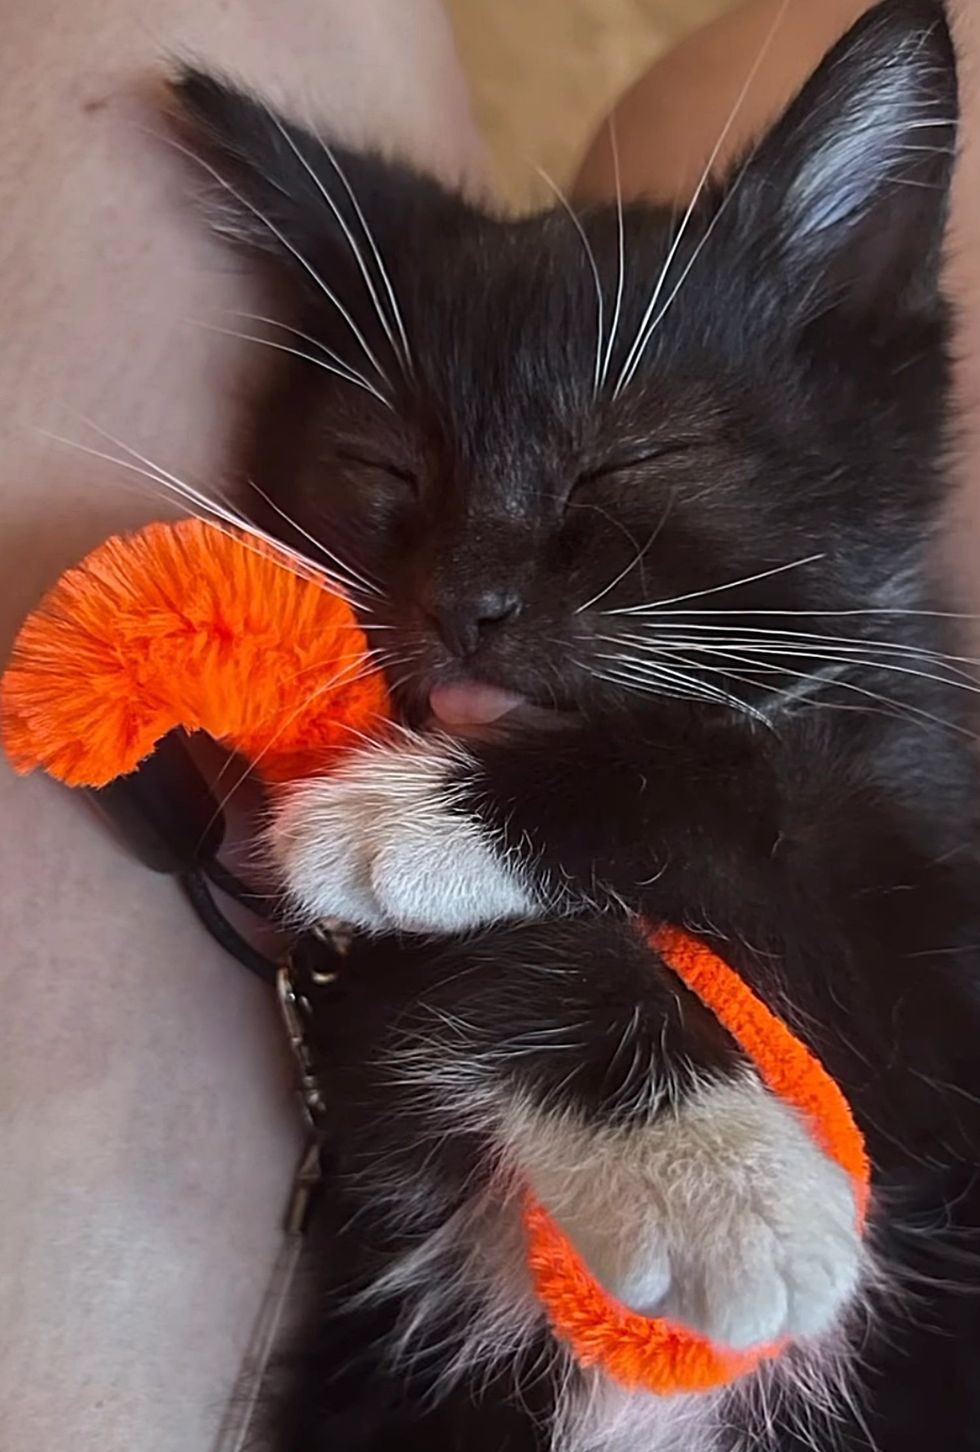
285,190
848,195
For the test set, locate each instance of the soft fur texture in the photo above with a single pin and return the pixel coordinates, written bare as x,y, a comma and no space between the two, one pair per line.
706,1217
674,480
382,842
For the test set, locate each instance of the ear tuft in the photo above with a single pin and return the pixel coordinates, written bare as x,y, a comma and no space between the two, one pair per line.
852,186
263,168
285,189
880,129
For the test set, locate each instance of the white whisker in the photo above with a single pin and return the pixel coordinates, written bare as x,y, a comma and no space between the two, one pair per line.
844,652
657,605
785,613
375,250
640,341
286,558
803,638
294,252
612,678
621,276
775,653
678,683
900,707
689,267
371,586
348,234
640,671
707,695
771,664
792,695
348,376
637,559
295,332
593,265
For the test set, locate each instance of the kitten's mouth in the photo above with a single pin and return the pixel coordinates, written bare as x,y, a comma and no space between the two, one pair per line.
468,705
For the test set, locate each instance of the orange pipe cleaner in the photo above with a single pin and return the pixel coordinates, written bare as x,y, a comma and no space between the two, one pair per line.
183,625
649,1352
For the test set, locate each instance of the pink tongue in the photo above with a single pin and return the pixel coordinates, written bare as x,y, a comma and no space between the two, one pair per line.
465,704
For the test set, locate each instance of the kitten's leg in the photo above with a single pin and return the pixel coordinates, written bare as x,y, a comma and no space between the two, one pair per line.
430,834
687,1186
570,1055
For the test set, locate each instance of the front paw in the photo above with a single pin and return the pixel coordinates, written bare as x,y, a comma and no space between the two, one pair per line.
383,844
723,1217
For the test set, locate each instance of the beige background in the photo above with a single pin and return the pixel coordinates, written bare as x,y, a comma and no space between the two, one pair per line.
544,72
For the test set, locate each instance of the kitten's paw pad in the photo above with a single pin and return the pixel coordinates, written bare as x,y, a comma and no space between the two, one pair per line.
724,1217
383,844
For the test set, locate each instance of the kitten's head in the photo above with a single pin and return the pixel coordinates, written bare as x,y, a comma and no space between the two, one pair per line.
575,455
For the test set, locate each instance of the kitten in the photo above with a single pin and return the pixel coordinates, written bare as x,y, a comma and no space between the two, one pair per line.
640,507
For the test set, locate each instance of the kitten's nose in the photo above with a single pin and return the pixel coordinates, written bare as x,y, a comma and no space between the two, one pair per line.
463,623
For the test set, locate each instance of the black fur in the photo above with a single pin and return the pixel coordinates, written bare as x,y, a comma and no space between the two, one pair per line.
820,825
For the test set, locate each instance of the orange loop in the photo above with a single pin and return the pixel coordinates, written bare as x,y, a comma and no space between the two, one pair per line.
650,1352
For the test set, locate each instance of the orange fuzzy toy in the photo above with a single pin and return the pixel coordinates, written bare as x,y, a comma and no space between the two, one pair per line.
183,625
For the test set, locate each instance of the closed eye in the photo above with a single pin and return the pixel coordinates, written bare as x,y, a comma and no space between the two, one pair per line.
630,463
381,466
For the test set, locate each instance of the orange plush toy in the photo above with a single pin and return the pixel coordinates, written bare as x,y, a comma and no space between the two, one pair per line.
189,626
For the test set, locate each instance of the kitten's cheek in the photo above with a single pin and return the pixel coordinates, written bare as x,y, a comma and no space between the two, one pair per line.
381,844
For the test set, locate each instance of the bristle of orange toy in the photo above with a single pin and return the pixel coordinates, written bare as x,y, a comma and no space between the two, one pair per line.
185,625
649,1352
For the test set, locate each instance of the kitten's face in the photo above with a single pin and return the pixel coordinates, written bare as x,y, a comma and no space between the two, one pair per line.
575,500
512,512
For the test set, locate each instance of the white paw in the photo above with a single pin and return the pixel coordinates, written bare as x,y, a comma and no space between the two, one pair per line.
724,1217
381,844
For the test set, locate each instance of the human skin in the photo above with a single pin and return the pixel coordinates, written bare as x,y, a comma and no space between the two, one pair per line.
147,1134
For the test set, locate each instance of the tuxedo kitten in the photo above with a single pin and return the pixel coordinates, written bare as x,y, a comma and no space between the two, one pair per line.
637,507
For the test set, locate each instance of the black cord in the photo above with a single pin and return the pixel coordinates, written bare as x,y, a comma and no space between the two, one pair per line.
196,886
229,883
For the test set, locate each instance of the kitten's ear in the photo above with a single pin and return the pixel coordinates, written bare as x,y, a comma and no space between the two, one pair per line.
851,187
282,189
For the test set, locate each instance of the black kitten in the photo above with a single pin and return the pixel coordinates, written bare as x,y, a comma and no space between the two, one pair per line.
642,506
